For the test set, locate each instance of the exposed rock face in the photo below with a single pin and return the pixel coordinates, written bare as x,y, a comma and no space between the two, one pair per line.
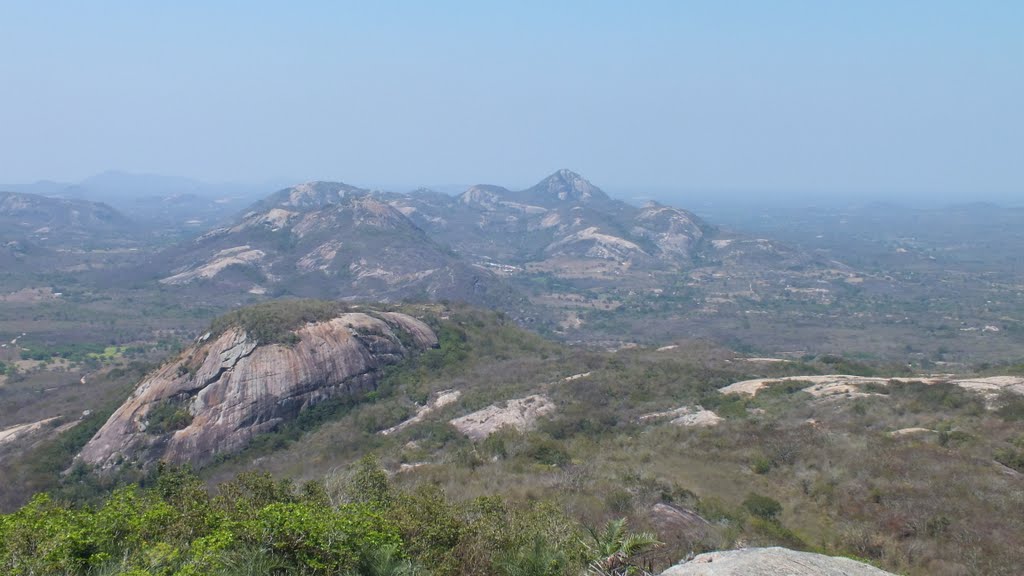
444,398
562,217
520,414
591,243
328,239
484,196
685,416
564,185
771,562
675,232
232,387
681,528
17,432
821,386
237,256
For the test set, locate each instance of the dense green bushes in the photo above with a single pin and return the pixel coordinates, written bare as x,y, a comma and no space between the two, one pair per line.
74,352
256,525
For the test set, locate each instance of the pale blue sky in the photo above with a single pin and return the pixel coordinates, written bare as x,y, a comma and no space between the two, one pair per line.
826,96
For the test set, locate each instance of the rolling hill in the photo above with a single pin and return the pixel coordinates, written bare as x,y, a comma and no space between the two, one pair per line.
329,240
63,223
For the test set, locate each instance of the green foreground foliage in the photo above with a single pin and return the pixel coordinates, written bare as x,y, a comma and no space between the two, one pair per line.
255,525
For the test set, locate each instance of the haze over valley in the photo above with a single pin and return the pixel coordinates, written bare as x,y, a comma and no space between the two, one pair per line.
539,289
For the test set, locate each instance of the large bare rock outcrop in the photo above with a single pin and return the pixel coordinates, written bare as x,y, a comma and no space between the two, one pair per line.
520,414
771,562
232,387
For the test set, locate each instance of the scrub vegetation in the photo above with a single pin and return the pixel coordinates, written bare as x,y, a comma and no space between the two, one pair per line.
359,523
780,468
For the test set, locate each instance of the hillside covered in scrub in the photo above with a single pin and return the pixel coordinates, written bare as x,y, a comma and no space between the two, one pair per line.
355,523
699,446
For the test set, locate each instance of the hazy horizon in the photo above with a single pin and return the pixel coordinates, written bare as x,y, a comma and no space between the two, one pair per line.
696,199
794,99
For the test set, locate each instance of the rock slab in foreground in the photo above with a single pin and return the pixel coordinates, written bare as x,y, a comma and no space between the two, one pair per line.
771,562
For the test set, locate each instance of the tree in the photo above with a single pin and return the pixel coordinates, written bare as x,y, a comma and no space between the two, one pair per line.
369,483
614,549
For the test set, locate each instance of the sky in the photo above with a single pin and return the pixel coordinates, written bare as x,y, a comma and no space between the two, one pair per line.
821,97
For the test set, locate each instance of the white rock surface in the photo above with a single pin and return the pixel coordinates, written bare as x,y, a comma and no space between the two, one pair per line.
520,414
912,431
685,416
834,384
15,432
240,255
771,562
444,398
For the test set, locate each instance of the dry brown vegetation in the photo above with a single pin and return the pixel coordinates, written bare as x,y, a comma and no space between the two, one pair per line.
931,503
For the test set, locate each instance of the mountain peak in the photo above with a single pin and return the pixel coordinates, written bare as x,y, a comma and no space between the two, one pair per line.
311,195
568,185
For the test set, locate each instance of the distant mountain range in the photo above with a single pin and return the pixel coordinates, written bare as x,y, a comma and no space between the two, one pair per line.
562,245
166,202
330,240
562,217
60,221
561,256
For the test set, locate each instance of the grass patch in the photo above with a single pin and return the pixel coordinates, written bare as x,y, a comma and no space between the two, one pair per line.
109,353
274,322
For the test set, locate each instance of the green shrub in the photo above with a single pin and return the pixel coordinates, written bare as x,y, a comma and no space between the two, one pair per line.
841,365
45,538
546,451
783,388
730,406
942,396
619,501
167,416
1010,458
762,506
761,465
1012,408
775,533
319,539
430,525
369,483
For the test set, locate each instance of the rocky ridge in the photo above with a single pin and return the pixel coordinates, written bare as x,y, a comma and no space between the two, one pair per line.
328,240
229,387
562,216
561,253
